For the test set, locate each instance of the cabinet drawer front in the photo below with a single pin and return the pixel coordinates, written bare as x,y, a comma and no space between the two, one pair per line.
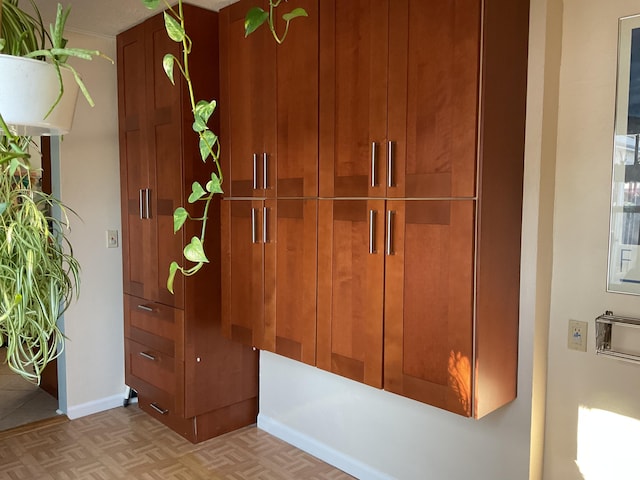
174,420
153,367
158,326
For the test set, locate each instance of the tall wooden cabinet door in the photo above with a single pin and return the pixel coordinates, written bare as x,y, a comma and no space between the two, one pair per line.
350,288
290,278
297,64
248,104
434,58
429,302
242,271
353,97
164,113
137,245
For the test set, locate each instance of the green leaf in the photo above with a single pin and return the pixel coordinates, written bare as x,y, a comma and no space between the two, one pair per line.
197,192
255,17
207,140
3,207
2,44
205,109
173,268
179,217
295,13
151,4
194,252
167,63
173,27
214,185
199,124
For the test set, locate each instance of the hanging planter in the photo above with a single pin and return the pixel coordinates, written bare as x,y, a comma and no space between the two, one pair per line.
28,89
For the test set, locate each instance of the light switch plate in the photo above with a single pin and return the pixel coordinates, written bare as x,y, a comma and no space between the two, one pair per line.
577,336
112,238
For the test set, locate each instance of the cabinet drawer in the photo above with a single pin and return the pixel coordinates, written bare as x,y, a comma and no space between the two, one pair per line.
174,420
154,374
158,326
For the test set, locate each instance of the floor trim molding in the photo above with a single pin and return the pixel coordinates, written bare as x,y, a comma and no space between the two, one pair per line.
319,450
95,406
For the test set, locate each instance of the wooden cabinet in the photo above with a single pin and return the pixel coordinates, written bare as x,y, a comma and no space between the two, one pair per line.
270,106
187,374
421,146
399,98
269,275
269,132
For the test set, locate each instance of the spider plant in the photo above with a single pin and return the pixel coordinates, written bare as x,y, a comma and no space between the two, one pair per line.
39,277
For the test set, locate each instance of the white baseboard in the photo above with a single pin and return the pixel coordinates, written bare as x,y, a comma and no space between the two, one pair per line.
324,452
96,406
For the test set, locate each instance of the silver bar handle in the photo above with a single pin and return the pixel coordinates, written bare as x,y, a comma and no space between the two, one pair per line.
372,228
389,246
255,171
141,204
254,233
390,164
264,225
374,148
265,171
148,203
160,410
147,356
145,308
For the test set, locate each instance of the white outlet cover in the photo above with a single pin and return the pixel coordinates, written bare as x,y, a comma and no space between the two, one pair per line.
577,335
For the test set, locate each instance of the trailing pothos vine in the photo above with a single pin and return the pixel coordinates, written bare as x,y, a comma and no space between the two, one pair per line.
209,144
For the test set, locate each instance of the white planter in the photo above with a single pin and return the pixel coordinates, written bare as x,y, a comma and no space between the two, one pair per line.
28,89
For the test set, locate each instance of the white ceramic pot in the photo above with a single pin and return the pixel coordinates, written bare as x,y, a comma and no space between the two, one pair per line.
28,89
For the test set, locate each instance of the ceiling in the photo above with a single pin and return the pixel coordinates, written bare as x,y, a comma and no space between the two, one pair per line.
111,17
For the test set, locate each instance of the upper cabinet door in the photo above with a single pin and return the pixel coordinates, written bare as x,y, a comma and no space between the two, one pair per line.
434,62
353,97
248,104
134,157
297,93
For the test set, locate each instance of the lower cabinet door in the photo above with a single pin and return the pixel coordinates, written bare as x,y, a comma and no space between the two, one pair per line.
429,297
350,288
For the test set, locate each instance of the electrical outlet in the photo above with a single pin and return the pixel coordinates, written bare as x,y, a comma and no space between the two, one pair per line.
577,339
112,238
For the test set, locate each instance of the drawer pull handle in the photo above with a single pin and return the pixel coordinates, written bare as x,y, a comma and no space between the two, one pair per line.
145,308
147,356
160,410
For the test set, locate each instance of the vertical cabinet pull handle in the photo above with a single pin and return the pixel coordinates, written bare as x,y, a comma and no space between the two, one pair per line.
141,205
255,171
157,408
254,232
372,229
389,246
148,203
374,148
264,225
265,170
390,164
147,356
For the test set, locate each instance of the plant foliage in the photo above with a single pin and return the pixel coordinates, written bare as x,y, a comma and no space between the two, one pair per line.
39,276
202,110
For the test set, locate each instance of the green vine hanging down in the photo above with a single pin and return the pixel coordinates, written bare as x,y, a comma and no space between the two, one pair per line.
202,110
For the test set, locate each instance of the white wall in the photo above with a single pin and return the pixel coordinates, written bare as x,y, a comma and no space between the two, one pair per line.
90,185
375,434
592,404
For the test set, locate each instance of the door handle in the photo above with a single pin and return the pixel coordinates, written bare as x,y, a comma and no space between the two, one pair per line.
264,225
390,164
254,233
265,171
374,148
141,204
148,203
389,246
372,228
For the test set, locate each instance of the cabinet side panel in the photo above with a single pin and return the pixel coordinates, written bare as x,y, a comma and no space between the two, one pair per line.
504,72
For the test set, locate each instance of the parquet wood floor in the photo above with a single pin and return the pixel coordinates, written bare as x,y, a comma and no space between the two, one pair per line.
126,443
